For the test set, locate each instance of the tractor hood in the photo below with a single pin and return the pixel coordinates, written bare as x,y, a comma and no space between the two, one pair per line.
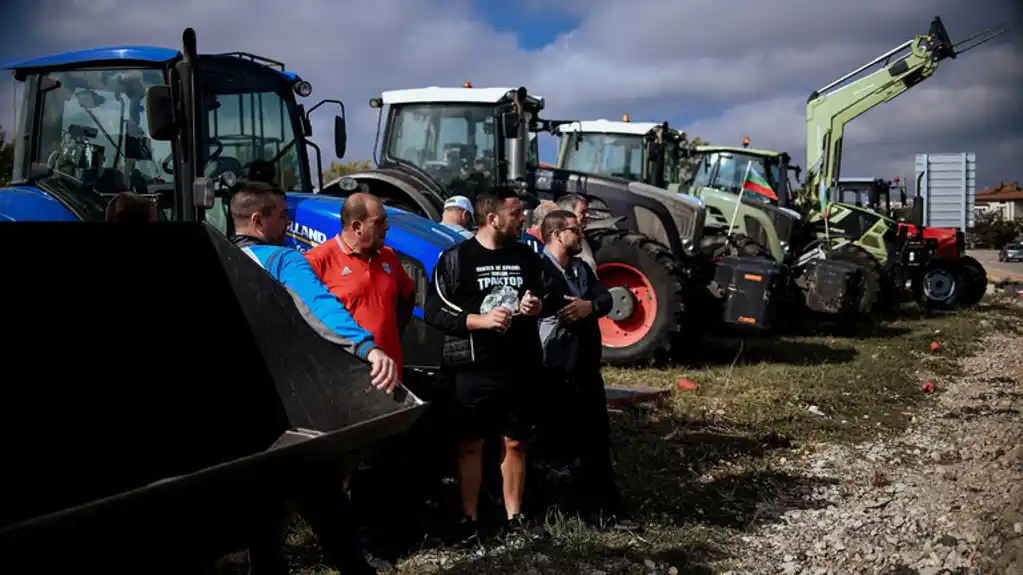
316,219
53,198
621,195
416,185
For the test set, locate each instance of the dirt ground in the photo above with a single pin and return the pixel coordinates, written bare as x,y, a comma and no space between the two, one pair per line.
816,454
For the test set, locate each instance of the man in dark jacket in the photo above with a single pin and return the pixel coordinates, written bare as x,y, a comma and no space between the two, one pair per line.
572,347
484,298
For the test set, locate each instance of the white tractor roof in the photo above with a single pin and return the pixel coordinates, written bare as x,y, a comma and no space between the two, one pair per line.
435,94
609,127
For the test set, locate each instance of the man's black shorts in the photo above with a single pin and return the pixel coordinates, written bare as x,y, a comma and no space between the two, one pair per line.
489,405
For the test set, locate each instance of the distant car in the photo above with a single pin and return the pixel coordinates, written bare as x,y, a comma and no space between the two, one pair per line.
1011,253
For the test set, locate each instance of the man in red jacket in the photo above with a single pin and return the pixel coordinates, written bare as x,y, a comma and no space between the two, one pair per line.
365,275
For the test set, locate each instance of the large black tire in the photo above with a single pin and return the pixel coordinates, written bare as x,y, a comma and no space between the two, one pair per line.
874,279
940,286
975,277
956,284
667,277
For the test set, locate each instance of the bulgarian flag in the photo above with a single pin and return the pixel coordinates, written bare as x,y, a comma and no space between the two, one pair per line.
754,182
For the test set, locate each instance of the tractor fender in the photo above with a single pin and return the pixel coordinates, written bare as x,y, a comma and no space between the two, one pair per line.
398,188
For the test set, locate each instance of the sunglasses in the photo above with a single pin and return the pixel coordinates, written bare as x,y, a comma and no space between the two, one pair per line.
574,229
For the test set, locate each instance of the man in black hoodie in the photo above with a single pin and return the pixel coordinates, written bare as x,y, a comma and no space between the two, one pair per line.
579,429
484,297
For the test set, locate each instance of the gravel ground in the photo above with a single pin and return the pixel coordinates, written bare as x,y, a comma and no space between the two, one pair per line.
945,496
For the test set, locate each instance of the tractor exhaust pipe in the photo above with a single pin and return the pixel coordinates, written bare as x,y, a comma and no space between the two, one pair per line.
517,134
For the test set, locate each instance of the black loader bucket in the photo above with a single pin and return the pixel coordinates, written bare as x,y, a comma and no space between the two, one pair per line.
159,393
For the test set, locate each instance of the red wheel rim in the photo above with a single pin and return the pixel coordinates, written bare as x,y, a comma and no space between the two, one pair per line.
635,327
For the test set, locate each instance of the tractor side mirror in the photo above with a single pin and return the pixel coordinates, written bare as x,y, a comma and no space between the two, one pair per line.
160,113
340,136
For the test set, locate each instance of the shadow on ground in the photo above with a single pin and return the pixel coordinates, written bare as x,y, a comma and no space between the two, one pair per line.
681,472
682,480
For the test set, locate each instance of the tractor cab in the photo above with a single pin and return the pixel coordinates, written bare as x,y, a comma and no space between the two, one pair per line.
95,123
718,175
440,142
622,150
200,355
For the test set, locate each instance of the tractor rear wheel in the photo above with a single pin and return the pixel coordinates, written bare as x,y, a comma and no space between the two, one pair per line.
648,285
940,286
873,277
975,277
948,284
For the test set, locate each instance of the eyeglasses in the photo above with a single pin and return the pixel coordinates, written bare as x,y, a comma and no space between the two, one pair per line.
574,229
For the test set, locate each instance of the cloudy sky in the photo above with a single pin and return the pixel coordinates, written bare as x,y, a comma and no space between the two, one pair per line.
721,70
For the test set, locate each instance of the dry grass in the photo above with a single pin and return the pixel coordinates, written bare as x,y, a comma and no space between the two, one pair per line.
698,468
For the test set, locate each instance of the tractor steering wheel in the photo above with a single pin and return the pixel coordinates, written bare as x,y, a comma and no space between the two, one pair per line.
166,163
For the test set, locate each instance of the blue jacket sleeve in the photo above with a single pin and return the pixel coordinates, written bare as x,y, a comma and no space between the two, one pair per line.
293,270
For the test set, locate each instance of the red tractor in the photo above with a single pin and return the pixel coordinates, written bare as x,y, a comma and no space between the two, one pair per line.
932,260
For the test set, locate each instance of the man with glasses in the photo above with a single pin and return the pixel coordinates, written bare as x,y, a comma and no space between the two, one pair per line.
578,205
578,428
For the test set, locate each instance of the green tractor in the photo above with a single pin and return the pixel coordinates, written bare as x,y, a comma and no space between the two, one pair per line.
738,223
770,226
951,278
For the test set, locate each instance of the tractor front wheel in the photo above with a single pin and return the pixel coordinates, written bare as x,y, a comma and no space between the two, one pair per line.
647,285
939,287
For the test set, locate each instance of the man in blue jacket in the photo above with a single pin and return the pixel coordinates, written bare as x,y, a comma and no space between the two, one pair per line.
260,218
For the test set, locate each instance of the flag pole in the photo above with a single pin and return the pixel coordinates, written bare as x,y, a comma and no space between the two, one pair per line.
738,199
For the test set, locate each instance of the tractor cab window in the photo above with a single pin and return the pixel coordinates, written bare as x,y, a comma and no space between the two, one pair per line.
703,172
93,135
606,154
671,164
858,194
726,170
252,128
453,143
533,153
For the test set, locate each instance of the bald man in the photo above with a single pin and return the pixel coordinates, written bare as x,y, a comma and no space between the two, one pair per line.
365,275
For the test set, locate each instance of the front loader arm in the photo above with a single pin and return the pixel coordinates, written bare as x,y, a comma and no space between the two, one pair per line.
830,108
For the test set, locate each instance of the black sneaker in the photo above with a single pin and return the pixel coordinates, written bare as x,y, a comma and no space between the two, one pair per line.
520,526
465,534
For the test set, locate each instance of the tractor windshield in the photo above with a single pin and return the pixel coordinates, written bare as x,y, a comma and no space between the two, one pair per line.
453,143
618,155
726,170
92,133
252,124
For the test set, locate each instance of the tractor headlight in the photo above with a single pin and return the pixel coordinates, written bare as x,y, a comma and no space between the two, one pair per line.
303,88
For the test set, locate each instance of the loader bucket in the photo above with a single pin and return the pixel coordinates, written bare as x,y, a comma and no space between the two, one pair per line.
159,395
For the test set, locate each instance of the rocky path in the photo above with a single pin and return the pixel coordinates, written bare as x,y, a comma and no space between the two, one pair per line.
944,497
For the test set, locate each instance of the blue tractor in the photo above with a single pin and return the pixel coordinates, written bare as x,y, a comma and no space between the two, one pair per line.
209,388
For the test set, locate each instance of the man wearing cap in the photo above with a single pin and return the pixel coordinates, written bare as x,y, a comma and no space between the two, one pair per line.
458,213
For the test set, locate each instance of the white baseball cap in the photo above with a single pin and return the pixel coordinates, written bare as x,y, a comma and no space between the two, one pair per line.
460,202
